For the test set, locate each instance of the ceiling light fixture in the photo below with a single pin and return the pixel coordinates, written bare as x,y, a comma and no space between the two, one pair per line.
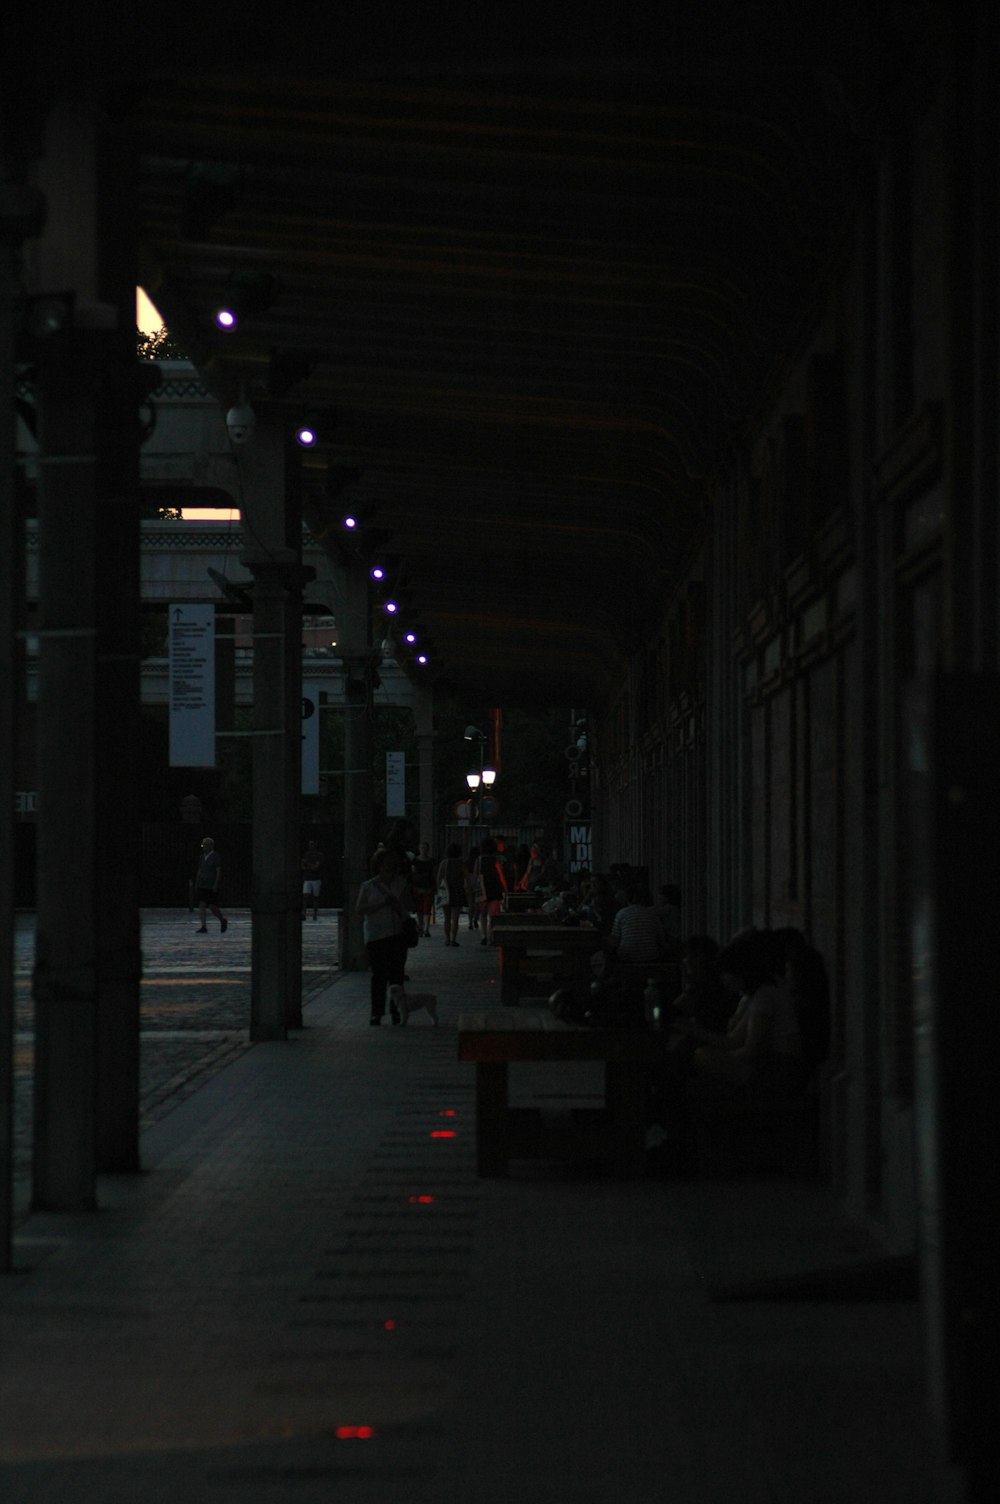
246,293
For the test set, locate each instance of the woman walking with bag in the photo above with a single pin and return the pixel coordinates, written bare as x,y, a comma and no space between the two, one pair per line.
451,876
385,902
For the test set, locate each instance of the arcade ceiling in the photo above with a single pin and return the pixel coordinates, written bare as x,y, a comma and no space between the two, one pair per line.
533,282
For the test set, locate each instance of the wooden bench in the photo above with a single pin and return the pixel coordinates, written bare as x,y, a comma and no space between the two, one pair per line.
617,1134
520,903
505,920
558,953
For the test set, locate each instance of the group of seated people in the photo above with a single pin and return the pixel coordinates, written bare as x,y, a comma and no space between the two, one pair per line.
754,1014
624,913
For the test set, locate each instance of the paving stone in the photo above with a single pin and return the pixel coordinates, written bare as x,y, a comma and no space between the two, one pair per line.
268,1283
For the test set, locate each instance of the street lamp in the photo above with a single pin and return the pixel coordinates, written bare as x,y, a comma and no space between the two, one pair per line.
484,777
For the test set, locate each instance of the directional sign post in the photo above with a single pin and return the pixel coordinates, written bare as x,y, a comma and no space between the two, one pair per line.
395,783
192,686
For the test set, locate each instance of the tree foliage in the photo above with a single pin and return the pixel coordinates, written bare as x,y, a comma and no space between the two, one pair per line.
160,345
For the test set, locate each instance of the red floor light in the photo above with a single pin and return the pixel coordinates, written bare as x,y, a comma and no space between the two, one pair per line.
444,1133
354,1433
390,1325
448,1112
421,1200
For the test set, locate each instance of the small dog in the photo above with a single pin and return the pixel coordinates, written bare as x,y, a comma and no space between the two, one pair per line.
407,1005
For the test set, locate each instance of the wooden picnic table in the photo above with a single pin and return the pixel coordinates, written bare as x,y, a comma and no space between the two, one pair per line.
494,1040
517,902
557,951
504,920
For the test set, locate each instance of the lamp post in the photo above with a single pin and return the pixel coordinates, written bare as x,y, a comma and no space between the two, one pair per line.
483,777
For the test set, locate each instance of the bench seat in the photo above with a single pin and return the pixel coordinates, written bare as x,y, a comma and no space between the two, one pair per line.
492,1041
554,952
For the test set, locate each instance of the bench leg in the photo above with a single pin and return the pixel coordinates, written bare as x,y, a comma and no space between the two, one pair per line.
625,1094
508,980
491,1119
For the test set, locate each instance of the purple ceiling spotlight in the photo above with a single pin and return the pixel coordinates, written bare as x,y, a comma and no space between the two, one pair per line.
350,523
377,572
411,638
421,657
306,435
246,293
391,607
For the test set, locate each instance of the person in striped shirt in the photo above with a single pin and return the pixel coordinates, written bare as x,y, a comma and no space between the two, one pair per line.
637,931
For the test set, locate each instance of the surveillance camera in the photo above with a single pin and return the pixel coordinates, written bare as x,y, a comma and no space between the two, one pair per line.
241,422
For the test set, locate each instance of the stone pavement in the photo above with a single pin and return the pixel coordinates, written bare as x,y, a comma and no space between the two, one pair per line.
195,1009
309,1296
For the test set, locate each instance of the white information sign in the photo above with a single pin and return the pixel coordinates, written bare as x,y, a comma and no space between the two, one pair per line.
395,783
192,686
310,738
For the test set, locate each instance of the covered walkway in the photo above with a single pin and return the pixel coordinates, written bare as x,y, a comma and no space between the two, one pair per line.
276,1274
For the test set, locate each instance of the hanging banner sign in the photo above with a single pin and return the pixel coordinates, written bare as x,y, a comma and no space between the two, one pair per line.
395,783
578,844
192,686
310,738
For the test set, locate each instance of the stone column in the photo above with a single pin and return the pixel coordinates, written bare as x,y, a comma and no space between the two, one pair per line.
350,582
359,840
117,714
423,708
271,505
11,547
65,976
276,981
88,963
19,209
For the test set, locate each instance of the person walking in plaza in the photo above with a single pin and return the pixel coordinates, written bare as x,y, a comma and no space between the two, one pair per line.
531,876
312,882
492,885
422,882
451,878
471,887
384,902
206,886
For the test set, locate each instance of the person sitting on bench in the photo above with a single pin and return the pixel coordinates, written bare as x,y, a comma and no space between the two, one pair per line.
809,986
637,937
705,999
762,1046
